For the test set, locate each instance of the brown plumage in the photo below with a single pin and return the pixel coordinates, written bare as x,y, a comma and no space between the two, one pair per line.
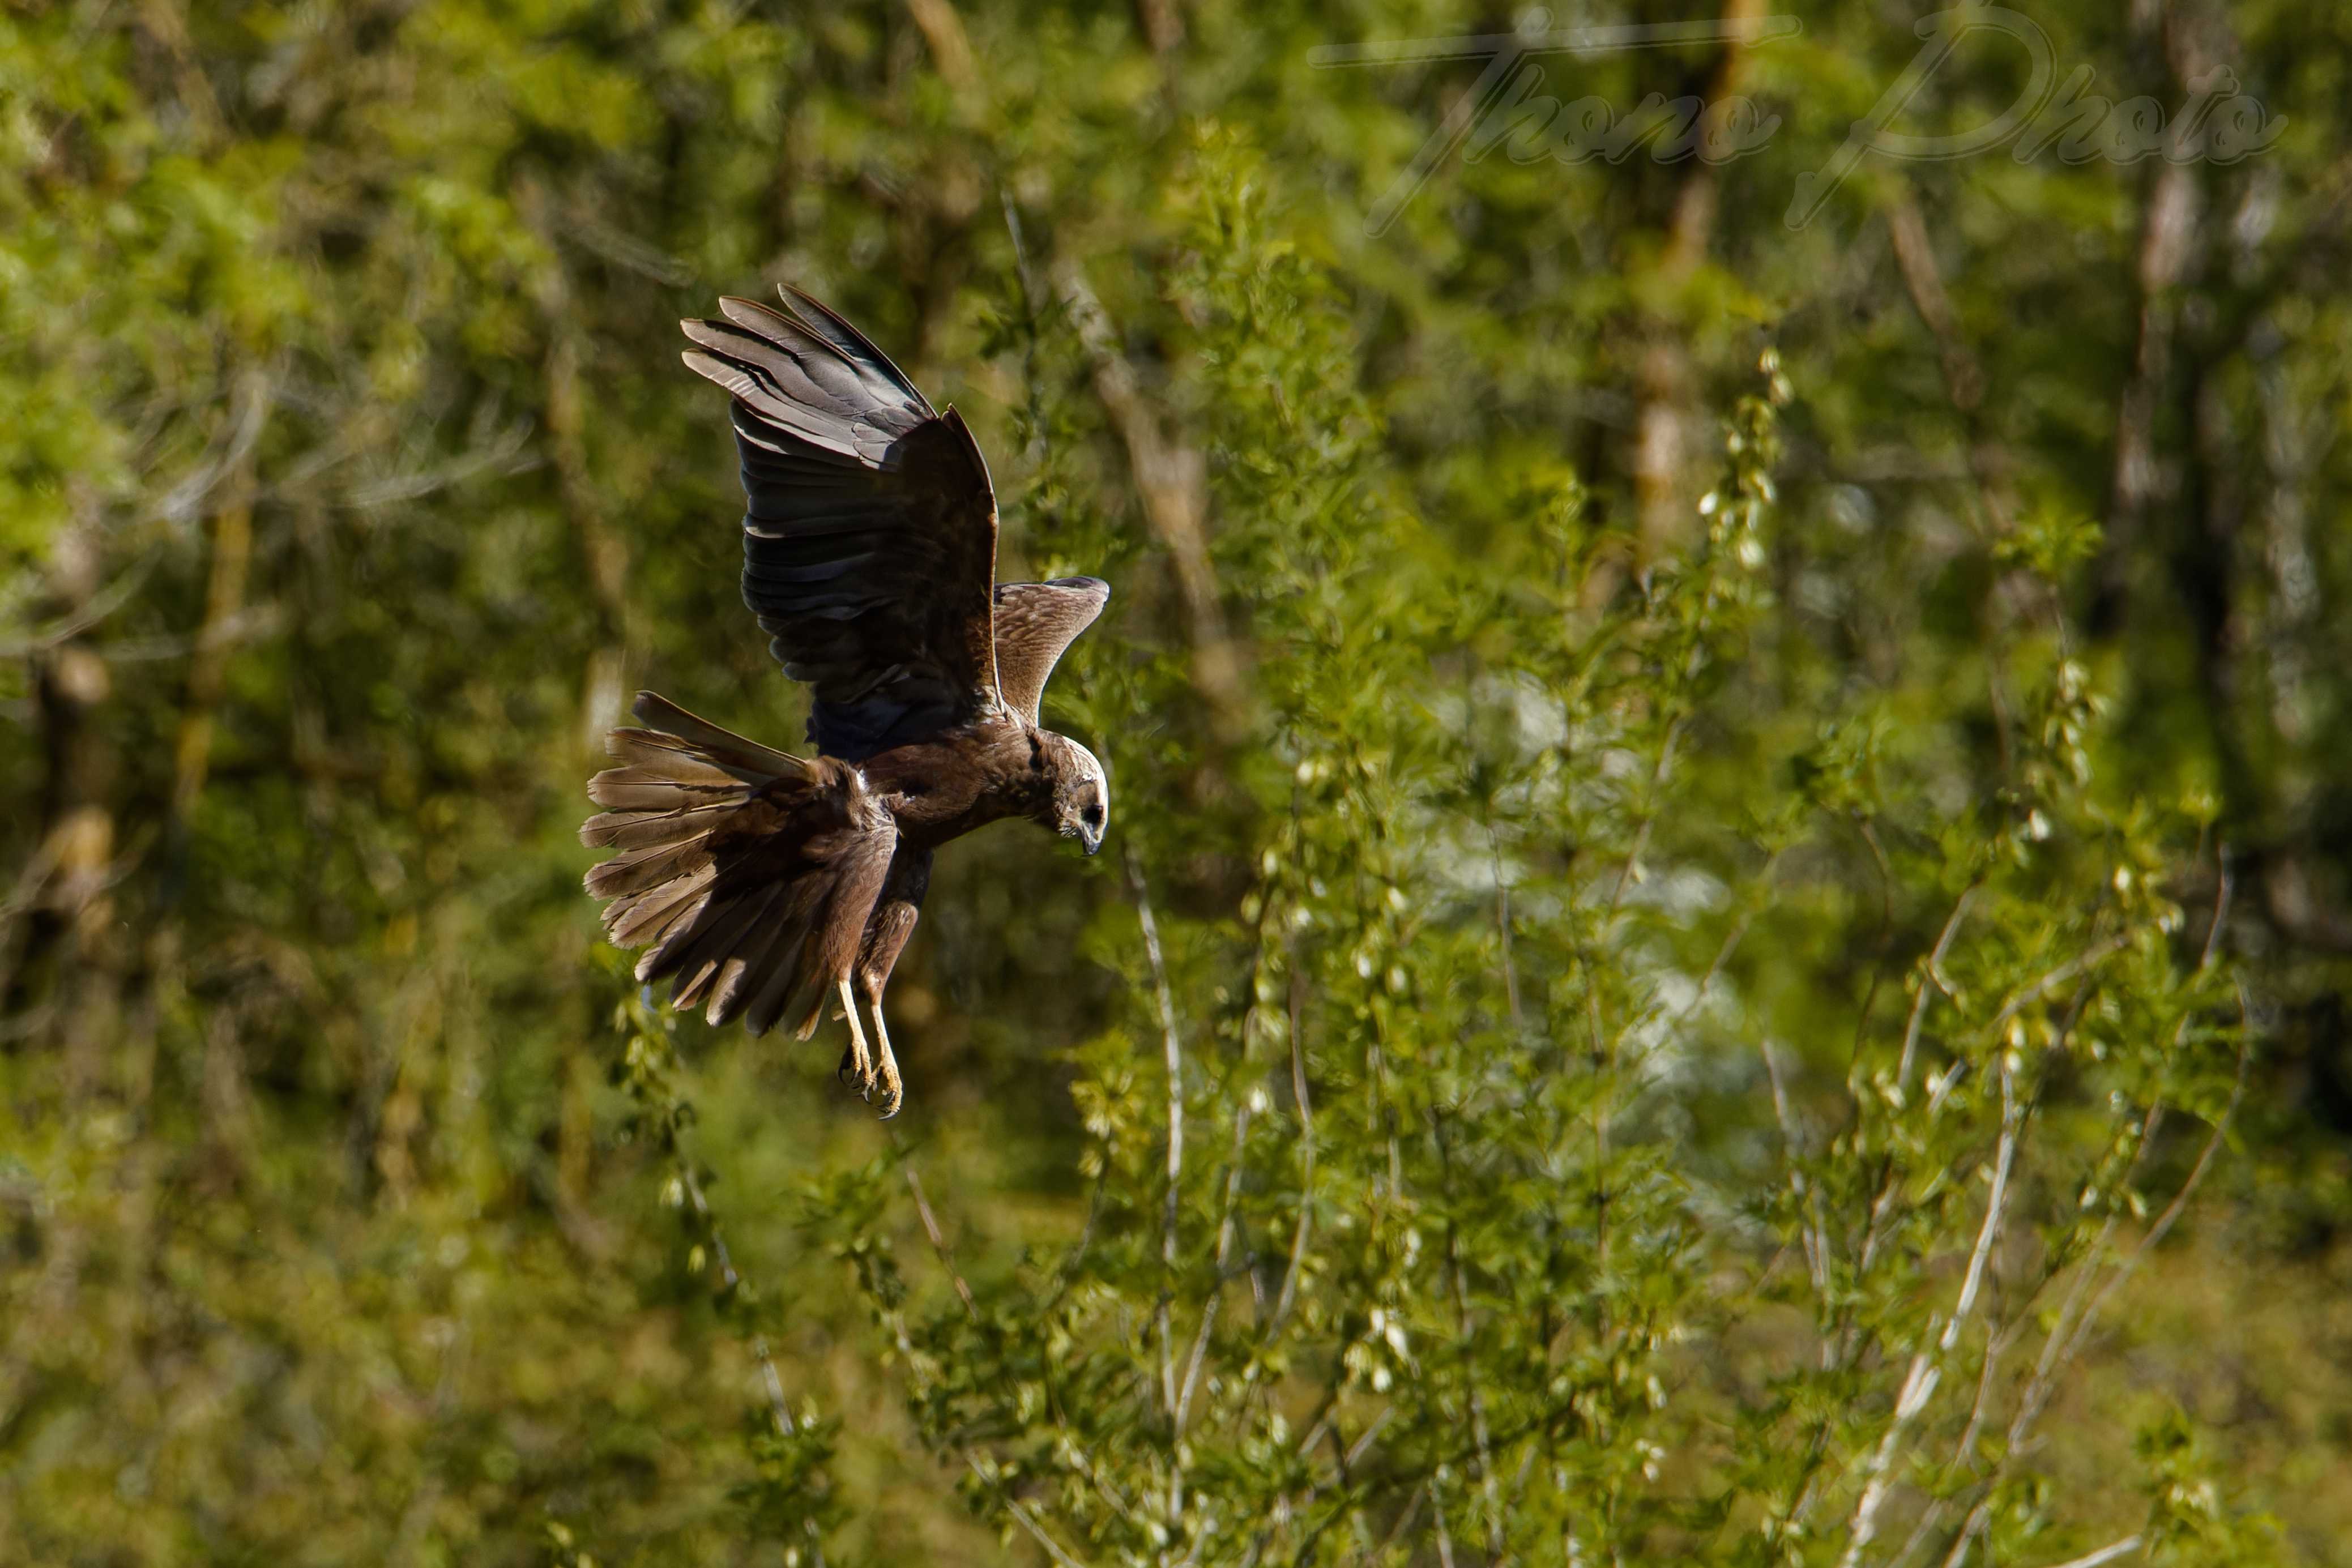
764,886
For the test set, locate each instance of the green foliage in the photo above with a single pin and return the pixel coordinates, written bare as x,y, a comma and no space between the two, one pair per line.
789,1497
1717,826
1424,1261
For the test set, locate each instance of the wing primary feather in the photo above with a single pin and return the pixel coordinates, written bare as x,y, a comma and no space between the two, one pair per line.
841,375
853,344
870,539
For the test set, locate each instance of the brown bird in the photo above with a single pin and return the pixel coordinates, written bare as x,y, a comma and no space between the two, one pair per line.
769,884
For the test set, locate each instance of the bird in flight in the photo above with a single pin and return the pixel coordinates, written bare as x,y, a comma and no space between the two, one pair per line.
766,885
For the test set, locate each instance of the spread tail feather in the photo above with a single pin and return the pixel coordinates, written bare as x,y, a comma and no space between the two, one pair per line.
746,874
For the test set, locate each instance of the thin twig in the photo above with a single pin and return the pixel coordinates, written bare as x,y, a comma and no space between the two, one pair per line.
1927,1366
1023,1517
1931,971
2108,1554
2225,882
2073,1324
1815,1232
2065,1336
730,1282
1355,1452
1298,1236
1732,941
1658,775
1225,1251
1503,931
2173,1210
92,611
1172,482
1173,1053
2100,953
1404,1522
1931,974
1480,1435
939,1241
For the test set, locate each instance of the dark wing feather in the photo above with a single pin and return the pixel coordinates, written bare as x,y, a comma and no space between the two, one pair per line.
869,544
1034,621
749,876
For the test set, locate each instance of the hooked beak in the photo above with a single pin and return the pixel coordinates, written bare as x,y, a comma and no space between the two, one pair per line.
1093,841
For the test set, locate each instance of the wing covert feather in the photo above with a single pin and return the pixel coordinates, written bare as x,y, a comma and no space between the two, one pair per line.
1035,622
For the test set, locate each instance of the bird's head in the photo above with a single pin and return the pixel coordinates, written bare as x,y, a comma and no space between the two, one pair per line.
1080,807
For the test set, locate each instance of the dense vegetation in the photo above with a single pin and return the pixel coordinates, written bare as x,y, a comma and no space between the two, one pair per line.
1728,879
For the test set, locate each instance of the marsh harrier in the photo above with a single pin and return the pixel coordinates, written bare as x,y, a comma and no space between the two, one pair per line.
765,885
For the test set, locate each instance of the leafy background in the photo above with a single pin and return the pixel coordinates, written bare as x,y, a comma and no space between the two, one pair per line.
1574,652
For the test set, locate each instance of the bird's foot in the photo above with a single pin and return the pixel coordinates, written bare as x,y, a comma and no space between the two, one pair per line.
858,1062
893,1090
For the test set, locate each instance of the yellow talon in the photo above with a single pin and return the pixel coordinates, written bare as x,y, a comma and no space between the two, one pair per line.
893,1090
861,1058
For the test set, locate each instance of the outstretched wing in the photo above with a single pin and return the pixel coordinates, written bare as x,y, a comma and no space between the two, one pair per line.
869,542
1034,621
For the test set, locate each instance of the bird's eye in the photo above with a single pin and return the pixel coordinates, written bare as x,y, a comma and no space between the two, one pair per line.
1094,816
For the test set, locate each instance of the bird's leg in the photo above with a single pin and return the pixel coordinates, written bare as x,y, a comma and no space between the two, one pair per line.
860,1061
893,1090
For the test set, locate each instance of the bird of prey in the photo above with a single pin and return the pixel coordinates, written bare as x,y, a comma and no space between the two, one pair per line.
769,885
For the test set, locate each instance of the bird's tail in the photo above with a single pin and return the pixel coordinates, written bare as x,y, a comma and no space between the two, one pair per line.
745,873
